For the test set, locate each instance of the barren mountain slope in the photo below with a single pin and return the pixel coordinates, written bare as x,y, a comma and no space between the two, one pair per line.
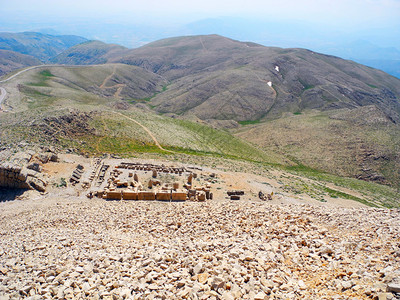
80,107
10,60
208,69
49,86
361,143
212,78
89,53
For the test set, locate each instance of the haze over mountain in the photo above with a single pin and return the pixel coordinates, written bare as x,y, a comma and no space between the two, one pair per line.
41,46
314,25
26,49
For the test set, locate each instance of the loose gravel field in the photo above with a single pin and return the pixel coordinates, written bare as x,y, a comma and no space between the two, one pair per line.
72,248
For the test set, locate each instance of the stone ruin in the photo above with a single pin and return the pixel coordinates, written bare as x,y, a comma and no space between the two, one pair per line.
235,194
131,188
22,170
264,197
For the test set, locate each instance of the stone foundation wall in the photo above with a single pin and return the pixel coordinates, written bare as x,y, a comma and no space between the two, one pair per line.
12,177
15,177
22,170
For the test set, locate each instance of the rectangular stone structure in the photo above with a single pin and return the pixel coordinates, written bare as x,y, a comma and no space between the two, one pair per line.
129,195
164,195
114,195
146,195
179,195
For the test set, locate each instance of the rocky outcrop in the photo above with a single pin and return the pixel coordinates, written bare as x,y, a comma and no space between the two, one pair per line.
23,170
12,176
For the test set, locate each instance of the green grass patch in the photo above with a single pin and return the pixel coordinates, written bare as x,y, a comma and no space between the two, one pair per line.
373,86
381,195
297,113
46,73
306,86
147,99
249,122
338,194
113,145
32,92
42,78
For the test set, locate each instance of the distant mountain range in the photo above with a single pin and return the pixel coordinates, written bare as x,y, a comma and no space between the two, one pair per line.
41,46
244,81
215,77
32,48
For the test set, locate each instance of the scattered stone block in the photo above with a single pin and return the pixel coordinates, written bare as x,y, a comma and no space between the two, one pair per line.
190,179
201,196
176,185
393,287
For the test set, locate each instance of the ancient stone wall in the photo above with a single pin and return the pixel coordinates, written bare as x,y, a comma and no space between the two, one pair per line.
11,177
22,170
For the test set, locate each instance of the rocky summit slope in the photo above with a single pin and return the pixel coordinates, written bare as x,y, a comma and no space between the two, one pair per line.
69,248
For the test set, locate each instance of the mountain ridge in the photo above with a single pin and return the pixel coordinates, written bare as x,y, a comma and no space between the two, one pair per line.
11,60
301,78
41,46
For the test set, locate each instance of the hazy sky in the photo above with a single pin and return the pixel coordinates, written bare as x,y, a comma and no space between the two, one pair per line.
340,11
363,30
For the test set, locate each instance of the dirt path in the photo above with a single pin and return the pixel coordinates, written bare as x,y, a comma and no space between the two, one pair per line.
266,81
145,129
103,85
25,70
3,94
119,86
119,90
102,138
204,47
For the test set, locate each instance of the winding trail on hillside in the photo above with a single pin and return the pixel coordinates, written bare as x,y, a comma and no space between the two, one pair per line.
204,47
119,86
103,85
145,129
3,94
266,81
